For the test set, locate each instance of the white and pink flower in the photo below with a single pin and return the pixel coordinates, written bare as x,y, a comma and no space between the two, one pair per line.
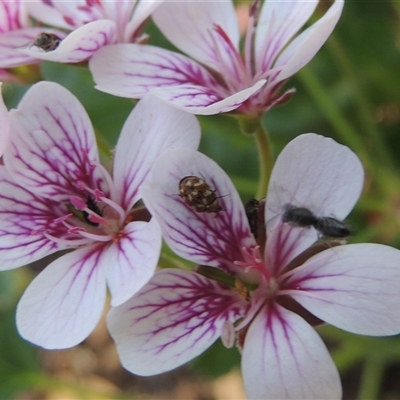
217,77
17,32
267,294
55,195
92,23
4,123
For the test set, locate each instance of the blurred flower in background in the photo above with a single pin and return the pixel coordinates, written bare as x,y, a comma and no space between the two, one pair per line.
17,31
218,77
93,24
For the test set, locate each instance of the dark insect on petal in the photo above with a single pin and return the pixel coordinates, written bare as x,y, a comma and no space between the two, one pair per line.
199,195
304,218
47,41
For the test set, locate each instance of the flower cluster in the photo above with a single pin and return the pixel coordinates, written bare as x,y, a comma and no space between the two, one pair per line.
265,273
274,289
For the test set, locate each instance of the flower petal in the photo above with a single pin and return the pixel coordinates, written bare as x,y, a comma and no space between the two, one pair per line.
284,358
354,287
277,24
13,44
151,128
302,49
61,13
4,124
316,173
143,9
201,100
23,219
190,27
64,303
173,319
131,261
130,70
80,44
214,239
52,145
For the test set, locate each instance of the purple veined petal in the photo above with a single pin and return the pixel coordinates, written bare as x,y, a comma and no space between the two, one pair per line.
64,303
318,173
354,287
13,15
50,14
52,146
214,239
132,70
23,218
302,49
284,243
284,358
4,124
132,260
190,27
152,127
174,318
143,9
13,43
80,44
201,101
278,23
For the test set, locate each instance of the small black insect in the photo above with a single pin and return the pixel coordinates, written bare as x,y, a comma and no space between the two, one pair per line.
255,214
47,41
299,216
332,227
304,218
92,205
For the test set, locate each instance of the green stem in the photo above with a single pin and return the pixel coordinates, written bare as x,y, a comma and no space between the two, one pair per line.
265,158
371,379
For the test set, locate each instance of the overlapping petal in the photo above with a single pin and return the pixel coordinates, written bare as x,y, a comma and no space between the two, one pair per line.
190,27
80,44
52,144
13,45
4,124
13,15
214,239
23,217
131,70
199,100
151,128
284,358
63,304
131,261
174,318
354,287
55,14
312,172
303,48
277,24
142,11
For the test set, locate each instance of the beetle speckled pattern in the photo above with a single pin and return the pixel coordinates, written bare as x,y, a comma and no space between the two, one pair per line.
199,195
47,41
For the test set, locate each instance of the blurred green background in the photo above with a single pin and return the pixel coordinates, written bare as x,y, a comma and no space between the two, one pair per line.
351,92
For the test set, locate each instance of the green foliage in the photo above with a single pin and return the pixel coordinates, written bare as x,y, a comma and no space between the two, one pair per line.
351,92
